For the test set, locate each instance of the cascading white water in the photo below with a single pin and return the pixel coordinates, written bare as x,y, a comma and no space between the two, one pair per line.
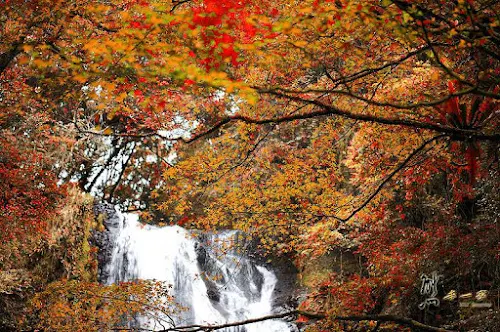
216,288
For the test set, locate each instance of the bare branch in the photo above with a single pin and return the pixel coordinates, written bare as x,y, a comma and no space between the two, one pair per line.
370,101
98,25
122,171
330,110
7,57
391,175
177,3
377,318
369,71
440,63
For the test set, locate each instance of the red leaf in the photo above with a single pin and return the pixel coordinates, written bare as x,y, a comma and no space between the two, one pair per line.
135,24
471,154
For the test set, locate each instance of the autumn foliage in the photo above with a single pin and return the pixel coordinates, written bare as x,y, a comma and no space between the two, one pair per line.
67,305
367,127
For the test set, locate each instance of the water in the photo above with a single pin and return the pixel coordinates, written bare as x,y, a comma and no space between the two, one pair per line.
215,283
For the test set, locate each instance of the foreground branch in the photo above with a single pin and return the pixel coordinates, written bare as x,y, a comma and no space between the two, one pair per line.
404,321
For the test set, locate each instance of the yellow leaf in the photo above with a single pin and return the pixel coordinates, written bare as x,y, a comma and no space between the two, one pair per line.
108,131
301,43
110,116
23,59
40,63
80,78
435,75
156,20
27,48
110,87
91,45
121,97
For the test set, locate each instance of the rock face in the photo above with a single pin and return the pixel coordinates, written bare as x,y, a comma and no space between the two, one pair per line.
286,290
105,240
285,293
15,289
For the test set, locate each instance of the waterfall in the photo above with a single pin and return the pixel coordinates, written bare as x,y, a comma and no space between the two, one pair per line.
208,275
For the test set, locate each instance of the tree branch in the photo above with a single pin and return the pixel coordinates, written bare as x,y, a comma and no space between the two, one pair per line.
369,71
391,175
98,25
115,151
7,57
177,3
370,101
440,63
122,171
378,318
329,110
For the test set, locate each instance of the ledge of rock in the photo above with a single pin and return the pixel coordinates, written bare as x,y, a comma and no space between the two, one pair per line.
105,240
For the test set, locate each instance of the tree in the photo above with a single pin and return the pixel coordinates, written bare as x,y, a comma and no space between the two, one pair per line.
375,128
73,305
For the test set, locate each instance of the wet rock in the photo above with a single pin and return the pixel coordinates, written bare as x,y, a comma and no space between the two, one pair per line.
286,288
206,264
201,254
213,294
105,240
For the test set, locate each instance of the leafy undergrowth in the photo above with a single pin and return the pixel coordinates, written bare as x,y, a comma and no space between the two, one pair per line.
60,250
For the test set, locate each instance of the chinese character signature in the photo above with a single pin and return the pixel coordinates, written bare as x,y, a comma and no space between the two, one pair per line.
429,289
